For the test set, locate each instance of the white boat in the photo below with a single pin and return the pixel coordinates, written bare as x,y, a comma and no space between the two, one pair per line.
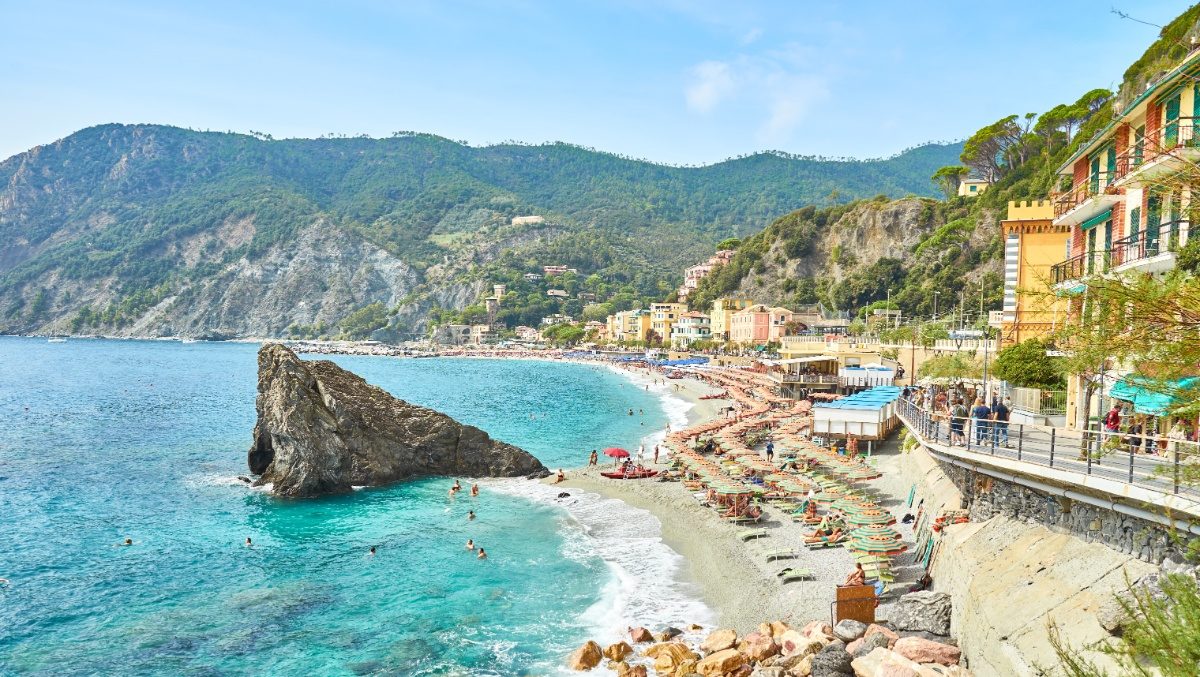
56,339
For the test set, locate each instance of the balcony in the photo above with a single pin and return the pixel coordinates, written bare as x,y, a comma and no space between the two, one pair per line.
1174,148
1069,272
788,378
1148,251
1083,201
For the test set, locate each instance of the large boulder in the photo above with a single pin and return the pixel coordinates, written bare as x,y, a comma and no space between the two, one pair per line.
925,611
757,646
849,630
669,656
585,657
875,628
640,635
323,430
797,665
618,651
792,643
719,640
867,644
832,661
884,663
924,651
721,663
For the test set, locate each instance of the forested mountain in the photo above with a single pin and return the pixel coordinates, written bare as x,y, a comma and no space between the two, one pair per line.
154,230
928,251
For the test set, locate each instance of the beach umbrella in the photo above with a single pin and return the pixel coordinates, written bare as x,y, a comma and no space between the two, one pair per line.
879,544
874,530
616,452
866,517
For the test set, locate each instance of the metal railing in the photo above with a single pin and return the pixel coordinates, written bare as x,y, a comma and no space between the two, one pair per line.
1180,133
1149,243
1079,266
1038,401
789,377
1148,461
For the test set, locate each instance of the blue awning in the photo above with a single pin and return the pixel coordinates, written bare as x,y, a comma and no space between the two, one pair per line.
1096,220
1152,396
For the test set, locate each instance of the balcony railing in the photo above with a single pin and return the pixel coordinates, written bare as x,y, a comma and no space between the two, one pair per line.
1079,266
1171,137
1070,199
1149,243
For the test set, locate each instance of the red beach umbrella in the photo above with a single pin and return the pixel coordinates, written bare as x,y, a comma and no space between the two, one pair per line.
616,452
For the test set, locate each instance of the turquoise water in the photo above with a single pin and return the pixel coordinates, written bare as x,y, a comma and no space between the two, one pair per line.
103,440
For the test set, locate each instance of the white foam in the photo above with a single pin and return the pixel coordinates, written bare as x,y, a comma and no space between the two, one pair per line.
645,585
676,408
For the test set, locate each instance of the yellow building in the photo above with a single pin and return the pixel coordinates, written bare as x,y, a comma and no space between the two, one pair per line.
628,325
1033,244
722,313
972,187
663,317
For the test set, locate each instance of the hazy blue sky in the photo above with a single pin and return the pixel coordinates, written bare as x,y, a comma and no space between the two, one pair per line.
671,81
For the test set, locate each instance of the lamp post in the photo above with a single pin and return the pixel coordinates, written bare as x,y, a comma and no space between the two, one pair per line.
935,300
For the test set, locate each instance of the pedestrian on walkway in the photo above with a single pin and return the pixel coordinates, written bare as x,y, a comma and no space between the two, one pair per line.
958,420
1000,414
982,415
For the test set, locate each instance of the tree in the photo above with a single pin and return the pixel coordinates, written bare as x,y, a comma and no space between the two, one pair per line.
988,151
729,243
953,366
1026,365
949,178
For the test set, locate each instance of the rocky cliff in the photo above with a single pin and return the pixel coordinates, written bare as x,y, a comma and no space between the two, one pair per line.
323,430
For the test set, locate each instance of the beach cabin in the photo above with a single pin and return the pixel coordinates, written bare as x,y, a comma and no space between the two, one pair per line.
868,415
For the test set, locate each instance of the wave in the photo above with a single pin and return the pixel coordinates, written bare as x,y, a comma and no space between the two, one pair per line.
645,585
674,407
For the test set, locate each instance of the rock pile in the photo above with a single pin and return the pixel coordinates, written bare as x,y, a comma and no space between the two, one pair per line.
323,430
849,649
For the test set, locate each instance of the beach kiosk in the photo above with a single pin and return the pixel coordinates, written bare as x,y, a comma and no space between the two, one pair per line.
868,415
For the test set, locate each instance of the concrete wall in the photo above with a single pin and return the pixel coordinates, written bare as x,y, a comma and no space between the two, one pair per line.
1026,560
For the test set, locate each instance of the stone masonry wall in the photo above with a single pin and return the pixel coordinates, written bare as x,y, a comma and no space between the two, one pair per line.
987,496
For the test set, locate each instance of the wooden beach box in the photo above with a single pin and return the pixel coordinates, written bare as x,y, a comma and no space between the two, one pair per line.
856,602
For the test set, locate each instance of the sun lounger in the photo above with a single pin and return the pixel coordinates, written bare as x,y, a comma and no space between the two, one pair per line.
744,520
783,553
793,574
817,545
752,533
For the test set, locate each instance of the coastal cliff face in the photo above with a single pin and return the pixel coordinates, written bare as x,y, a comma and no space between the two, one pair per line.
323,430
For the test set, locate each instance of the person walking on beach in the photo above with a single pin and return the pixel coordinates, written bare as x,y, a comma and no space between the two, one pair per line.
656,454
594,459
770,450
641,453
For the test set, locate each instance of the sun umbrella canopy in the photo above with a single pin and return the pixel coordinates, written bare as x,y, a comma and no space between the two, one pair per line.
865,517
616,452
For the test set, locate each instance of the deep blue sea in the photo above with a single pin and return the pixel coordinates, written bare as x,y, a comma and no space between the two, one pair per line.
105,440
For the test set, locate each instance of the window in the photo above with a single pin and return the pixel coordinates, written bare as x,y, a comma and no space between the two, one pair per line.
1139,145
972,189
1171,123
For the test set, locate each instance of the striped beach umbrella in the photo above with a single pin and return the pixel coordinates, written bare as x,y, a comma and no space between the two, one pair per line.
866,517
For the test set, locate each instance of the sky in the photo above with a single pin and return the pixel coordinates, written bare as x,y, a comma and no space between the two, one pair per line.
667,80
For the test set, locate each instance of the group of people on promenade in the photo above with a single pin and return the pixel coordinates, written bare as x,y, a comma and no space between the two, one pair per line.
988,423
1140,433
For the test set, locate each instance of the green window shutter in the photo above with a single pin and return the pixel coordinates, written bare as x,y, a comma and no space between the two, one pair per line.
1139,145
1153,217
1135,221
1108,235
1171,128
1112,165
1095,178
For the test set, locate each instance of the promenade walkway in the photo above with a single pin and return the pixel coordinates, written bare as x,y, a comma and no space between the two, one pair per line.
1088,460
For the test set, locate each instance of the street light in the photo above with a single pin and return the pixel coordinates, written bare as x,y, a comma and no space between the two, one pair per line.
935,299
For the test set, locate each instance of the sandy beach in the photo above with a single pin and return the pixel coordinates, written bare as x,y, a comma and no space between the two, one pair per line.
733,576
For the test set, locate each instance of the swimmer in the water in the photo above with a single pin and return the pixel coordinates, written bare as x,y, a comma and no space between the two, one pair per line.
372,553
470,515
482,554
470,544
248,543
474,489
128,541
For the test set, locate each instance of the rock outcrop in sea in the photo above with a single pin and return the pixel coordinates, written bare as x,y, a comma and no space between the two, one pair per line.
323,430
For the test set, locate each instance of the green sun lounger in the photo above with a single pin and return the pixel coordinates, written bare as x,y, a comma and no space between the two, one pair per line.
824,544
783,553
752,533
794,574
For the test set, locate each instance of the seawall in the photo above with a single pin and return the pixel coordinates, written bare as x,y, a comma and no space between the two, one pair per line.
1023,563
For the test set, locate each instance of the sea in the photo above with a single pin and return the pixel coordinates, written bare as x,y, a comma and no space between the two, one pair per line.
103,440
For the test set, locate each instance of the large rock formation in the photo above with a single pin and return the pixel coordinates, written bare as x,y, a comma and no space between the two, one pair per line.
322,430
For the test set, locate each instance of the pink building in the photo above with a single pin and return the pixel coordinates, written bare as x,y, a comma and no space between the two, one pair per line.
759,324
693,275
